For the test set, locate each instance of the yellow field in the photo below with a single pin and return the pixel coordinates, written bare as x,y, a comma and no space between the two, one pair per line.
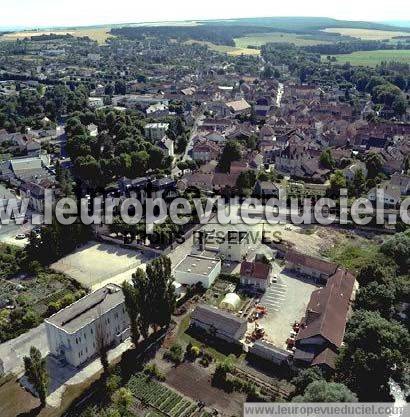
97,34
367,34
259,39
230,50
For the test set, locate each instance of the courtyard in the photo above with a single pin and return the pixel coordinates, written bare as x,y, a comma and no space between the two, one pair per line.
96,264
286,302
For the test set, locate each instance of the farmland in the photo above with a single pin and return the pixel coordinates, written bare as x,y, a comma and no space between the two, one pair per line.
100,34
259,39
367,34
373,58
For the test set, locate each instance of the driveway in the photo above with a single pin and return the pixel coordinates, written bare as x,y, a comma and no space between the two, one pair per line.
13,351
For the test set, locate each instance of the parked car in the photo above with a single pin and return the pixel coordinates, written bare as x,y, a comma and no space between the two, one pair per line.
275,278
20,236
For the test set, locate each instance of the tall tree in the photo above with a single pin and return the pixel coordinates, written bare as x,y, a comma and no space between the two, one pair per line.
36,371
374,351
325,392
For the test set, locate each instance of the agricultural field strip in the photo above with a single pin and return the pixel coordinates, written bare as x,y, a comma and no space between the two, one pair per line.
161,397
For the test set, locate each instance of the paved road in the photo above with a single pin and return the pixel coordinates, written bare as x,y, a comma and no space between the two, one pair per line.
13,351
194,132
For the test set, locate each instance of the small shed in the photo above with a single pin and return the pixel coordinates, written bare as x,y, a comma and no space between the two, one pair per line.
231,302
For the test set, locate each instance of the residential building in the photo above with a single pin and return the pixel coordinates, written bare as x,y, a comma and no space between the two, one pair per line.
255,274
385,194
156,131
76,332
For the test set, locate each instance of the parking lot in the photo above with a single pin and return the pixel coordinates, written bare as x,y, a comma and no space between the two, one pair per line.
286,302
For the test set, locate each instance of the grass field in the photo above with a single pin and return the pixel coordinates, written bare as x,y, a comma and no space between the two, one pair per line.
230,50
97,34
373,58
259,39
366,34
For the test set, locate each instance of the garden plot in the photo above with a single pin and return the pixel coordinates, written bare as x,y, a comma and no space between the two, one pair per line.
96,264
161,398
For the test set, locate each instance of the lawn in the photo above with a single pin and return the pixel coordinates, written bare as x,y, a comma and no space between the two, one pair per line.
373,58
259,39
367,34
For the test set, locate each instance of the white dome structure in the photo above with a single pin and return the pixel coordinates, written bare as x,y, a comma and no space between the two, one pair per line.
231,301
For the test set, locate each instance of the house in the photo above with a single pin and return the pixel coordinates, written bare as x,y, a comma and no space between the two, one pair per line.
157,110
401,181
95,102
205,151
155,131
266,189
234,246
322,329
194,269
351,171
167,146
76,332
218,323
35,192
255,274
239,106
310,266
385,194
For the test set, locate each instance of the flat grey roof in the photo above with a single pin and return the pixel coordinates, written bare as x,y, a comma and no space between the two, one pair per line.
195,264
87,309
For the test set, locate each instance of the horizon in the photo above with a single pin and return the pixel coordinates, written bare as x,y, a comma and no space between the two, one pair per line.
47,14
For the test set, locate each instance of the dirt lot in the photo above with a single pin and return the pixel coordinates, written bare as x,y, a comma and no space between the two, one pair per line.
96,264
195,382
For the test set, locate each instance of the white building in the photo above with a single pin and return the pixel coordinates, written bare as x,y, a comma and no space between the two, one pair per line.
156,131
234,246
385,194
194,268
76,332
95,102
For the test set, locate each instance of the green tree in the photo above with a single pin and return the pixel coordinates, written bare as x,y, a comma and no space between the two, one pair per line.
374,351
306,377
131,300
36,371
326,159
377,297
230,153
123,400
398,248
324,392
337,182
374,164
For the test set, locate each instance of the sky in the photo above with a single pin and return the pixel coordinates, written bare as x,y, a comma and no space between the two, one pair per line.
54,13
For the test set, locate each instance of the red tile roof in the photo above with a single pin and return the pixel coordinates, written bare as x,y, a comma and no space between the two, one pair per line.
258,270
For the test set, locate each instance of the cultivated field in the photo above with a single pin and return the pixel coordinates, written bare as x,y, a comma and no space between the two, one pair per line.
96,264
373,58
367,34
259,39
97,34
